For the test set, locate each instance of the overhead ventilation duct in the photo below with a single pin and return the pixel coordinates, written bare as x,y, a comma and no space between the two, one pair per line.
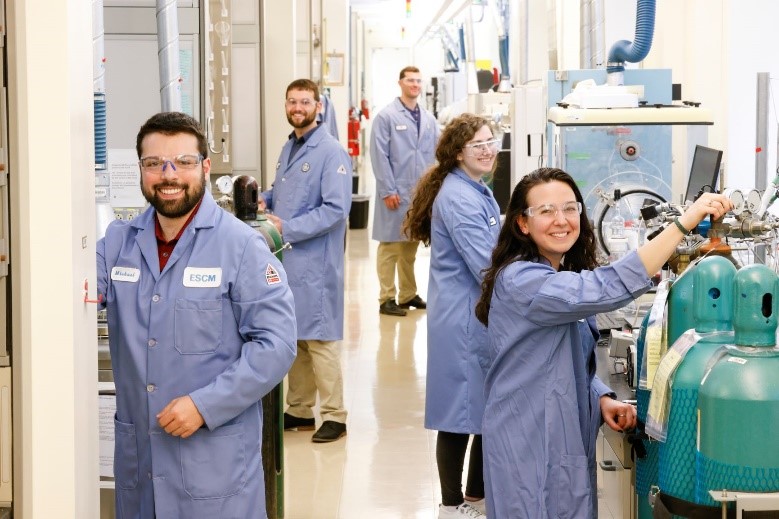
632,52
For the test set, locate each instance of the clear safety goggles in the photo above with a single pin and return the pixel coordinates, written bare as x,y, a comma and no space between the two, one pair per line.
474,149
570,210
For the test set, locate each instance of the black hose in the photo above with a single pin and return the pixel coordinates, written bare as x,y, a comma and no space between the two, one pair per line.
623,194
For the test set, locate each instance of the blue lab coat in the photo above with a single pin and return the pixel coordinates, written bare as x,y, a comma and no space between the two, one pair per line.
312,195
399,156
327,116
543,412
464,230
224,334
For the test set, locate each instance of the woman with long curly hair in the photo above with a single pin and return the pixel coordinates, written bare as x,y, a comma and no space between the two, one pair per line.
455,213
544,403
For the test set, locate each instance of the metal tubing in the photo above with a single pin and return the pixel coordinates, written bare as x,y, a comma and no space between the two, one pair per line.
168,55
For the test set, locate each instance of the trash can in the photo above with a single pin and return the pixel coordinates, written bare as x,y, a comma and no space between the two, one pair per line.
358,215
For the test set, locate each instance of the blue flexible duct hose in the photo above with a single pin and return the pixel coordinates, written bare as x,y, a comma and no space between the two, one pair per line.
624,50
503,49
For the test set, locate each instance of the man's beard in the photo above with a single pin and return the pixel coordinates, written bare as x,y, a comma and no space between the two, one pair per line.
175,208
308,119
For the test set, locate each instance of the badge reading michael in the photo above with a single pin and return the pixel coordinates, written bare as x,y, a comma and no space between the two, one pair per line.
271,276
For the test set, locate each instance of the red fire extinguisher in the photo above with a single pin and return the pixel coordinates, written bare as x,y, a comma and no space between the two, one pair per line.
354,132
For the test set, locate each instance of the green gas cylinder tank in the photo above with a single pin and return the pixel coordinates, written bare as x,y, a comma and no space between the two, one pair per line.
712,309
270,233
738,401
680,305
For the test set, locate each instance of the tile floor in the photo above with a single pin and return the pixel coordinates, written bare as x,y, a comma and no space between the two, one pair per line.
385,467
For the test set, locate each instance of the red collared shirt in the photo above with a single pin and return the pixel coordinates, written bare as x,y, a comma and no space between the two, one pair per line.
165,248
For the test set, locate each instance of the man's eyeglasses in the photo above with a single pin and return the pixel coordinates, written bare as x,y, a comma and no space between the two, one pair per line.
412,80
571,211
305,103
158,164
477,148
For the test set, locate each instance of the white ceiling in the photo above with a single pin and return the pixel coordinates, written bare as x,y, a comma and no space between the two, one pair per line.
390,16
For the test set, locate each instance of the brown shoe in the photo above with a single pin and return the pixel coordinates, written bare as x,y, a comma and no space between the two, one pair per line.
390,307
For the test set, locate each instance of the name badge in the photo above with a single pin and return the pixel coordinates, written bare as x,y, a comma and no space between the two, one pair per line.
128,274
401,127
493,221
202,277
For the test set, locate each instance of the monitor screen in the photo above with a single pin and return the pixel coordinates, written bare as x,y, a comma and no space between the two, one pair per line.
704,171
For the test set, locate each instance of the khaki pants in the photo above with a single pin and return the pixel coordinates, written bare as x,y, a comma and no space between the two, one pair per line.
403,254
317,367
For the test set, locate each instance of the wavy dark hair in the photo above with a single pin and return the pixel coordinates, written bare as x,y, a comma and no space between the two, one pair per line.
513,245
461,129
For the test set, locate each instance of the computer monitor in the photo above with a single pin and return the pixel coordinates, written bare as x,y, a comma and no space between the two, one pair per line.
704,170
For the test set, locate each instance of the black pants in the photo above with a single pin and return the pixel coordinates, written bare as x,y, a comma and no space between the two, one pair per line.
450,455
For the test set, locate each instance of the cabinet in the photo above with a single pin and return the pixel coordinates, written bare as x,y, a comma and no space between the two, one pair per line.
616,471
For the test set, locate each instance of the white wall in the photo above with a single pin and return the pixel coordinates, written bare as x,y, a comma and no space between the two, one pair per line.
715,49
279,55
52,253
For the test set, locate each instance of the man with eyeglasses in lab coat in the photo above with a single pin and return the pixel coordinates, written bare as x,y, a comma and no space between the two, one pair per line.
202,326
310,201
403,140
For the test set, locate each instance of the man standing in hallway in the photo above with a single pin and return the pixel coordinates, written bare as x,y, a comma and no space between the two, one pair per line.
403,141
310,201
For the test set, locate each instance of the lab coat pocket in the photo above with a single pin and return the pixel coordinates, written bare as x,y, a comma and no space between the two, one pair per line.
197,326
125,455
300,261
213,463
573,487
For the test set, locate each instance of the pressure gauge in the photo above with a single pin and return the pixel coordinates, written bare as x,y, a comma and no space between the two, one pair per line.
224,184
753,201
737,199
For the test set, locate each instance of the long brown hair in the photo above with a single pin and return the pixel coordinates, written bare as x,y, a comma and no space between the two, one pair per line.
513,245
461,129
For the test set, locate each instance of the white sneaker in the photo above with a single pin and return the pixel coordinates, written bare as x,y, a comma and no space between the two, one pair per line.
459,512
479,505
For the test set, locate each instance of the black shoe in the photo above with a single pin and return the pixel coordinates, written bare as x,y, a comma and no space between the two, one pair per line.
300,424
390,307
416,302
329,432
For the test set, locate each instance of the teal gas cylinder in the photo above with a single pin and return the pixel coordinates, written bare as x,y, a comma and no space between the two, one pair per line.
738,401
712,310
646,467
680,305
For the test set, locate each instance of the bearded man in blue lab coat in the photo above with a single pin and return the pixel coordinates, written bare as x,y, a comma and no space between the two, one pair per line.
403,141
310,201
202,325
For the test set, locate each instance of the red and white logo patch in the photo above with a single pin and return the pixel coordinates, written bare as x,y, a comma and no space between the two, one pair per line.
272,275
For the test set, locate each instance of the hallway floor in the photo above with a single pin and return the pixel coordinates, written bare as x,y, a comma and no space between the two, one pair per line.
385,467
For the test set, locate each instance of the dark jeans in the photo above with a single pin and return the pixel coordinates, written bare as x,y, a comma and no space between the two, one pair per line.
450,454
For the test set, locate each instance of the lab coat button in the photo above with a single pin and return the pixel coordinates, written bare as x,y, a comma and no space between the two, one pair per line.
150,388
156,298
149,474
152,343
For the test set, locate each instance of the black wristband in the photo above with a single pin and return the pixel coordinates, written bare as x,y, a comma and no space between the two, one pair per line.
681,227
